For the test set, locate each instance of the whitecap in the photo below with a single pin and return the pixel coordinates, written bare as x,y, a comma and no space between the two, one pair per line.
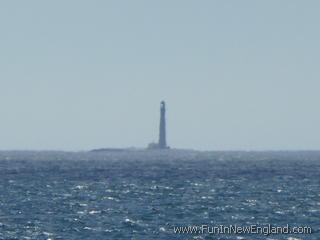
162,229
47,233
110,198
94,212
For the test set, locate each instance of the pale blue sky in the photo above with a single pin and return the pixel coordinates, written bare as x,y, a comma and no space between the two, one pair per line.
241,75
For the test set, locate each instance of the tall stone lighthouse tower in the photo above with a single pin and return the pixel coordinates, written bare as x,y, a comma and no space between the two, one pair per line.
162,129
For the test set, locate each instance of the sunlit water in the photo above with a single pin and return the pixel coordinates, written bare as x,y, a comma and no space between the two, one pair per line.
144,195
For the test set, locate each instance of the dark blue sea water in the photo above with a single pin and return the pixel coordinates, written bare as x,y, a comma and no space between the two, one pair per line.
144,195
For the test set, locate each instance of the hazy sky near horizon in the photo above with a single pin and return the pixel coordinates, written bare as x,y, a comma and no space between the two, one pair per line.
239,75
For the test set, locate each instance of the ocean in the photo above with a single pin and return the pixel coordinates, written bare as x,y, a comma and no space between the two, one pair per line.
167,194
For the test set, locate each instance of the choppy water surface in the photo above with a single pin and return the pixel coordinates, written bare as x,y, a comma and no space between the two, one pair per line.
143,195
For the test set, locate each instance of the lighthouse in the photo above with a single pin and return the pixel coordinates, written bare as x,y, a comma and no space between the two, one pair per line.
162,129
162,143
